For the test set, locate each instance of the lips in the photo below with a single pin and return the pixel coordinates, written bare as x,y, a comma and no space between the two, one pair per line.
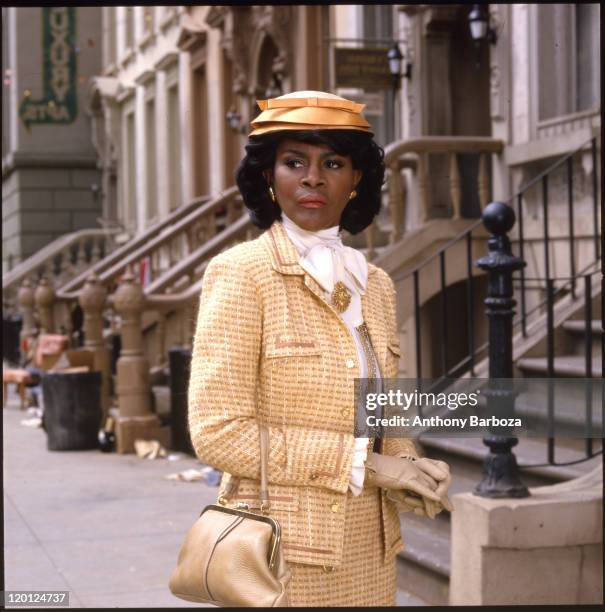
312,201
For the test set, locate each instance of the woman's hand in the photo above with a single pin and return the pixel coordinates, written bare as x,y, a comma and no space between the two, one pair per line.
390,472
424,506
444,478
408,502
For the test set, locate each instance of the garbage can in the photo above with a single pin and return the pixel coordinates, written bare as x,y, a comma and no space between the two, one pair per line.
179,360
11,328
72,410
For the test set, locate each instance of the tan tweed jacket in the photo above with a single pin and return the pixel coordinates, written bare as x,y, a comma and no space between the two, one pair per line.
269,347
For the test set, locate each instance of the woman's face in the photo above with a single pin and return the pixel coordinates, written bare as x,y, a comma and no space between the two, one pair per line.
312,184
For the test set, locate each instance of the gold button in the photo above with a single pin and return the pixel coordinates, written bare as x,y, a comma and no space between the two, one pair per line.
328,569
345,412
222,501
350,363
335,508
313,476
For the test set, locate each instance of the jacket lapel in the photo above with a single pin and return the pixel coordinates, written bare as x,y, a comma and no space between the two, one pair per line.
284,257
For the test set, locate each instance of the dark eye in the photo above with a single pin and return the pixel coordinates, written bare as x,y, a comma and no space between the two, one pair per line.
293,163
334,163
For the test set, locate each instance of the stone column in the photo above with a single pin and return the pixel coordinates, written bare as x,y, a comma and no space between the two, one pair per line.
92,299
135,419
26,301
44,297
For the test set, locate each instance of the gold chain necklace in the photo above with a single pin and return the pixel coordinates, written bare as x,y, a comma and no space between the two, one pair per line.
368,351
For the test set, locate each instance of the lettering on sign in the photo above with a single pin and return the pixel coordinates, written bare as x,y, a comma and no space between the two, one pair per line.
364,68
59,103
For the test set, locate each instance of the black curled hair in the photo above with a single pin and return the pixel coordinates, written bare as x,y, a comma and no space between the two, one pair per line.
365,154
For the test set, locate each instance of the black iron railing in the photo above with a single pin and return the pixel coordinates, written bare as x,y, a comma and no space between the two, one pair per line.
476,353
568,286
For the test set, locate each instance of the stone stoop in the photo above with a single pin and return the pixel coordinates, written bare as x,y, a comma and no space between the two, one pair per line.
424,566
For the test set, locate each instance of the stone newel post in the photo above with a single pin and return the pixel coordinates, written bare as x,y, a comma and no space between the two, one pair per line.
45,300
92,299
134,391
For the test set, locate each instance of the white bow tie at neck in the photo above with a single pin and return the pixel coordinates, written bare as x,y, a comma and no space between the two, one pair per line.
331,261
327,259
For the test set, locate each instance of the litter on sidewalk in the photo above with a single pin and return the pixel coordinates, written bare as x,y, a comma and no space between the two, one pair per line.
149,449
208,474
32,422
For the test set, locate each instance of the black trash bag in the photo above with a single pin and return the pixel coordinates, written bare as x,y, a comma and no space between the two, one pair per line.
72,410
179,360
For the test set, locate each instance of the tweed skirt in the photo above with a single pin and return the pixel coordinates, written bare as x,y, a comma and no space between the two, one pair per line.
363,579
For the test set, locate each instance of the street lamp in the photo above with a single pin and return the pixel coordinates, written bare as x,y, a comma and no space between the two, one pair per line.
274,90
479,24
233,118
395,57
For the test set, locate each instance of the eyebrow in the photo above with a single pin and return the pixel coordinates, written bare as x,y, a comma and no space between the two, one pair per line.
303,154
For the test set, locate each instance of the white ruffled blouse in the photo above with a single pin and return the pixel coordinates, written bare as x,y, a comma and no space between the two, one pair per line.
328,260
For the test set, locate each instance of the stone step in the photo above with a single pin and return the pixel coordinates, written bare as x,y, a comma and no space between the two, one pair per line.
423,567
564,366
576,333
579,327
403,598
569,409
466,456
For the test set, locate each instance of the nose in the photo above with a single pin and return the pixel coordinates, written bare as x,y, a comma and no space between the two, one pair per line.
313,177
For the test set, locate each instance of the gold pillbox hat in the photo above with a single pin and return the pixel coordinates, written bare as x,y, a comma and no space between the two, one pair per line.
309,110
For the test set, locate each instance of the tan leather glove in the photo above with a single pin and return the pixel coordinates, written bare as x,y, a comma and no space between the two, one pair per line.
390,472
423,506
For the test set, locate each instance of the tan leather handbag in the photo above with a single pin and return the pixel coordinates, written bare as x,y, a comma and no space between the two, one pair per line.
233,557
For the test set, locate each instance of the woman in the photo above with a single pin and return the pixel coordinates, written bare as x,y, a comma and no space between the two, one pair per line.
286,323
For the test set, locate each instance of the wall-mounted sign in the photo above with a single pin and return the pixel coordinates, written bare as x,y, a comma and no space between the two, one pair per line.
364,68
60,99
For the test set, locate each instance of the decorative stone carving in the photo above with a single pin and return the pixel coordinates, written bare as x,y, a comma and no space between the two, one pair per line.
134,400
44,297
92,300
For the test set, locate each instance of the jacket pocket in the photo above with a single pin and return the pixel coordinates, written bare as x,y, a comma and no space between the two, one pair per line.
280,498
291,345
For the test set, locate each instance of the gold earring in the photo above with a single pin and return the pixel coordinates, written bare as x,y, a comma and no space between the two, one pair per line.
272,194
353,195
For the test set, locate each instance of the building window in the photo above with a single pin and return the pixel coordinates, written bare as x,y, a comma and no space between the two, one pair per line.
129,27
130,174
150,162
588,54
110,33
568,59
174,149
378,25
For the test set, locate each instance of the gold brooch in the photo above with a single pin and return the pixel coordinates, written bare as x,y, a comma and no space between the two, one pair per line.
341,298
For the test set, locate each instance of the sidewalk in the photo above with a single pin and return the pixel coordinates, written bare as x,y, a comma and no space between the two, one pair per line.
105,527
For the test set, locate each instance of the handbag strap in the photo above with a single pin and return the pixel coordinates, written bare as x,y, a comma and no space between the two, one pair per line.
265,504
